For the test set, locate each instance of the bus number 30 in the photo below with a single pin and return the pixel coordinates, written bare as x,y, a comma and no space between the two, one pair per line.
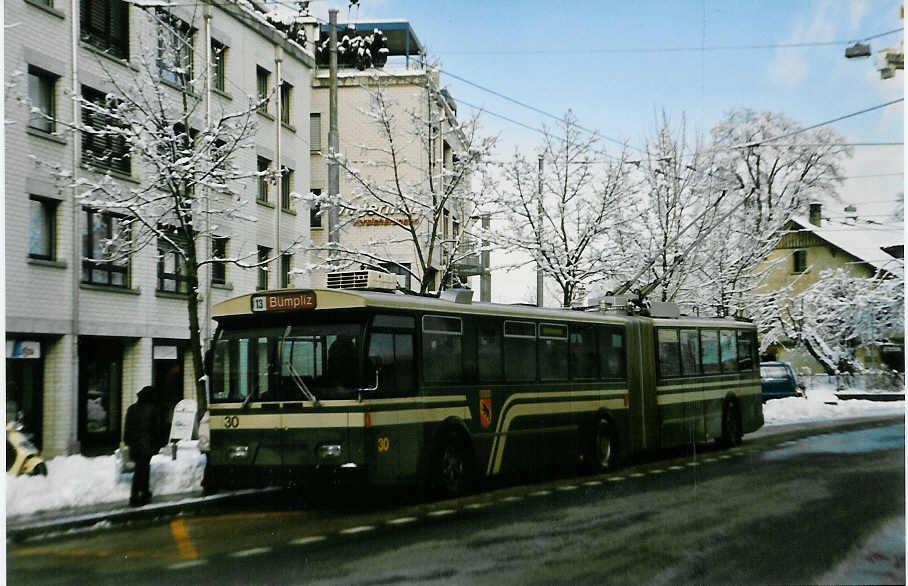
384,444
231,421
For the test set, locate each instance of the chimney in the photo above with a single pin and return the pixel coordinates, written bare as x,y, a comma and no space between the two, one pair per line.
816,217
851,213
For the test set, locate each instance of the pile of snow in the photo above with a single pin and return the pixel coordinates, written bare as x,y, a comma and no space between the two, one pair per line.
77,481
822,404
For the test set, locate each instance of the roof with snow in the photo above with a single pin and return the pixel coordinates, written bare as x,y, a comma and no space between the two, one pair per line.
866,242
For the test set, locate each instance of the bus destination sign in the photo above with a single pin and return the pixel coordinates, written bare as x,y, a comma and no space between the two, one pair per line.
283,301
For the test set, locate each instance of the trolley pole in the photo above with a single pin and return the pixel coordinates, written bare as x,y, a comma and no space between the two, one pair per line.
539,282
333,170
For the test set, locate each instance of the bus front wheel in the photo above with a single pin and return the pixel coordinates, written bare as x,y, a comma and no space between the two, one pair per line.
453,468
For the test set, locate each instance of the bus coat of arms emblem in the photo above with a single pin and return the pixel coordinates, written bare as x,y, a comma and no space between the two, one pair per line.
485,412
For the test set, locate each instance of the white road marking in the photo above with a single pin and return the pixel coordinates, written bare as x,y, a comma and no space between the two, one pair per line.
250,552
676,467
657,471
511,499
402,520
616,479
355,530
475,506
636,475
566,487
189,564
308,540
692,464
593,483
441,513
541,493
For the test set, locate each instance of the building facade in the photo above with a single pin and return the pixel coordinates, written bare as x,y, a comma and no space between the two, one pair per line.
812,245
411,89
84,336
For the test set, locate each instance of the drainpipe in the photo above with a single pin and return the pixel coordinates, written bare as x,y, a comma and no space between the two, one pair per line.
72,446
333,146
205,193
278,200
539,211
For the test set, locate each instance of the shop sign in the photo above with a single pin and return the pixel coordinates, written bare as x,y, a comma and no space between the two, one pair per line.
183,424
23,349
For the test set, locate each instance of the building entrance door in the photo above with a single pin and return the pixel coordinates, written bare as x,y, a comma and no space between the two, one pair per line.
167,377
24,386
100,394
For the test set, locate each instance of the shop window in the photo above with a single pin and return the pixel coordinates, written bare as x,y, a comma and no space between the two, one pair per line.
25,386
100,394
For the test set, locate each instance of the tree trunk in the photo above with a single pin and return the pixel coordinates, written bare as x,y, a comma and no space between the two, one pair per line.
195,336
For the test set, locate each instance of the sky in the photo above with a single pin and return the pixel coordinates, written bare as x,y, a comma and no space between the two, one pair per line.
620,65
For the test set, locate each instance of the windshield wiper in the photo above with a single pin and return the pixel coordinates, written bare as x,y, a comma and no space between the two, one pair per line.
301,384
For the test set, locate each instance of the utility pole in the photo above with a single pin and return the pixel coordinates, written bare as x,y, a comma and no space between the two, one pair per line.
539,283
485,277
333,170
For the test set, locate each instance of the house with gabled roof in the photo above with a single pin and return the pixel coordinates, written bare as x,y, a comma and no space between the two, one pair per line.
813,244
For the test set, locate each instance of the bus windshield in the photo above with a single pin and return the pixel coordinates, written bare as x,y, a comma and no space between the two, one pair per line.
295,363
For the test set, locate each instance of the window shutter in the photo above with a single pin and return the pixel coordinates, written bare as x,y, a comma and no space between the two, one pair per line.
315,132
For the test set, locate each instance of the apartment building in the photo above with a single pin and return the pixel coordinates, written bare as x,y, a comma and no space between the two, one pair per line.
410,86
83,335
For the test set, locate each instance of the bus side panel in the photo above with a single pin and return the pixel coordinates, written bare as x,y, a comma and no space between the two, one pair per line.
643,415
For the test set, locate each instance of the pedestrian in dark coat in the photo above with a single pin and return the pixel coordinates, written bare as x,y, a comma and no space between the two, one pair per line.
142,434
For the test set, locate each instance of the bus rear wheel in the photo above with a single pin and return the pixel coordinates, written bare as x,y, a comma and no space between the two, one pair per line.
731,425
604,447
452,474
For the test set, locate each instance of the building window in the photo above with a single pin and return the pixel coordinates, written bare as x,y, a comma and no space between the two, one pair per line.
315,132
174,49
218,66
105,25
101,146
315,211
219,251
41,86
42,232
264,253
286,95
800,261
105,260
262,77
286,185
286,265
172,276
263,166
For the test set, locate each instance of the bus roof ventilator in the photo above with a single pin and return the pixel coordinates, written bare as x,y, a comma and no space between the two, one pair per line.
373,280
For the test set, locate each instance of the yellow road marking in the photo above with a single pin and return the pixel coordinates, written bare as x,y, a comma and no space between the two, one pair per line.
82,552
181,537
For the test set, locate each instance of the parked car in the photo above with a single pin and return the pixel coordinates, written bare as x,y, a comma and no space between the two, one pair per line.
778,380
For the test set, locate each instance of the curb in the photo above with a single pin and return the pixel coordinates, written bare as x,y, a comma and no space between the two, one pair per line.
871,396
25,527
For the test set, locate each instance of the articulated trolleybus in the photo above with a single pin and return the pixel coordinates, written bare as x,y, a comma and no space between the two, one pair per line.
356,378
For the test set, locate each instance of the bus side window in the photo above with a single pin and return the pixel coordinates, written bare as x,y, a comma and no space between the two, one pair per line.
553,352
669,352
442,349
746,351
488,351
611,353
396,353
729,351
709,348
519,351
584,365
690,352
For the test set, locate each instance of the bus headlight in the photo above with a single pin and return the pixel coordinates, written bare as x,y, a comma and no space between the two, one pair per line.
328,451
238,452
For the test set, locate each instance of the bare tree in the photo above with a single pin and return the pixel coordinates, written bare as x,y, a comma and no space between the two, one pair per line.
189,186
569,225
401,185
